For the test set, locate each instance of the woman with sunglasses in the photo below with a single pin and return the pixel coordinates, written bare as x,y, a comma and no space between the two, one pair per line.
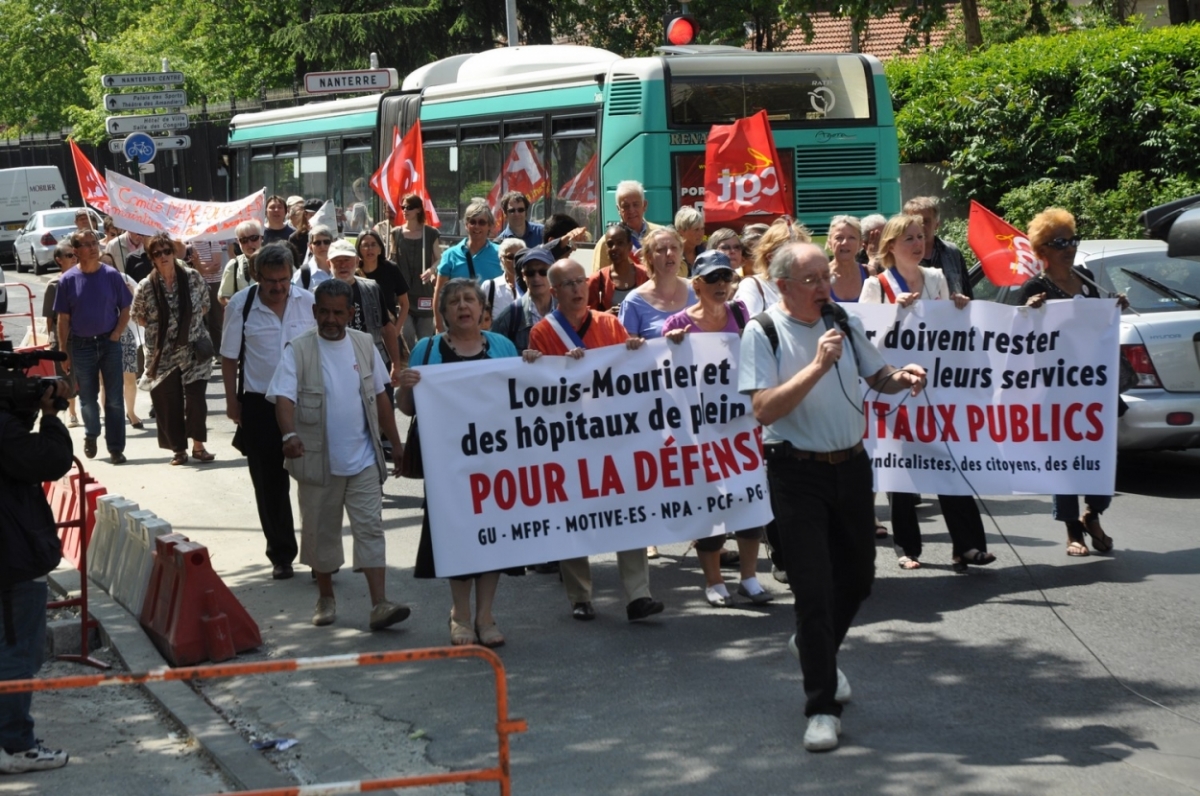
712,282
417,252
474,257
904,281
316,269
171,304
1052,235
507,288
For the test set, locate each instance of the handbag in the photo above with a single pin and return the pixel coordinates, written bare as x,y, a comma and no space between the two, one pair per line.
202,346
411,465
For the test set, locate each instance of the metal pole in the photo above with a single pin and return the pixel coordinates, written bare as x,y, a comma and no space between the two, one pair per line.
514,37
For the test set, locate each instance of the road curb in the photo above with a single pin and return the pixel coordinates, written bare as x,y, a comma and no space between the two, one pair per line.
243,765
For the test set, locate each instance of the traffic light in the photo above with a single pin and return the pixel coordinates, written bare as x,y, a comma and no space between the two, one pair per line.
680,29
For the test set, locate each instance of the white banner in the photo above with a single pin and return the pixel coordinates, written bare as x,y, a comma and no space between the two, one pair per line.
561,458
146,211
1019,400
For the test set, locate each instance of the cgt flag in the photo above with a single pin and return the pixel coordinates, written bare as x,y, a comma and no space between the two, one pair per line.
1003,250
403,172
91,185
741,171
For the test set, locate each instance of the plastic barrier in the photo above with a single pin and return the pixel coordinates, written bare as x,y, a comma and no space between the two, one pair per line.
505,726
182,618
132,574
111,517
71,545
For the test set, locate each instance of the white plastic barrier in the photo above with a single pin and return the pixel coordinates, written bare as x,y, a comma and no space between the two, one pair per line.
133,570
111,518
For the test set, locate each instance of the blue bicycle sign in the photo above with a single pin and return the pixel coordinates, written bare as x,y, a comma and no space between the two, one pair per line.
141,147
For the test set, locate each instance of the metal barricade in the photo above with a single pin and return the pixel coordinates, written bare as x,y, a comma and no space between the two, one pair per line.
505,726
86,623
30,315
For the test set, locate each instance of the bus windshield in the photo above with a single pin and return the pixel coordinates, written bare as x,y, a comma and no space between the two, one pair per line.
838,89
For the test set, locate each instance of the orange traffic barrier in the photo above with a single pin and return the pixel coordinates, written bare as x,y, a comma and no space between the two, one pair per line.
188,612
77,489
505,726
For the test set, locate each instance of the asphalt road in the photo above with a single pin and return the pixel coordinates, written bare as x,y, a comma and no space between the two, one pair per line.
1019,677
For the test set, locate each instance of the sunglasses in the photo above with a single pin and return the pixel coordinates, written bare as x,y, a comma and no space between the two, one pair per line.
477,222
322,242
250,239
414,207
512,210
1064,243
162,252
724,275
535,272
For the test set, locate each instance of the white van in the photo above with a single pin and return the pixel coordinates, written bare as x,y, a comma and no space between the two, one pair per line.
23,192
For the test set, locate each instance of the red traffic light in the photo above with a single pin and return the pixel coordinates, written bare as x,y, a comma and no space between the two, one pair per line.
681,30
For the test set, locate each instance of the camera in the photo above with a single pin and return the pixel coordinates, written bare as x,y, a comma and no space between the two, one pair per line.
20,392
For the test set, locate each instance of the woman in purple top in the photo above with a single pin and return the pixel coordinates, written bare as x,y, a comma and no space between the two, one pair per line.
712,281
643,311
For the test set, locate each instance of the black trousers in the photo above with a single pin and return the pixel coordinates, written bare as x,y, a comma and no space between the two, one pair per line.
825,517
263,443
180,411
962,521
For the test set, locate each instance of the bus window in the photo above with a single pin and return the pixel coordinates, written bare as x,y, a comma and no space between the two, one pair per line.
313,166
262,170
523,170
358,164
287,171
574,164
442,184
478,167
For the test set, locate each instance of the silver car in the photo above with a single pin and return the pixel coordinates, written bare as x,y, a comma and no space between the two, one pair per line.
1160,337
34,247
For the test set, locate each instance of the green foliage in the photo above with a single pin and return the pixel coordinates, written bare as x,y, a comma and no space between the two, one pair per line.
955,231
1098,214
1100,103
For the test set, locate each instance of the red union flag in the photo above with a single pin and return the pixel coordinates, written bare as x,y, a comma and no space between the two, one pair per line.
580,190
403,172
741,171
91,185
1003,250
522,171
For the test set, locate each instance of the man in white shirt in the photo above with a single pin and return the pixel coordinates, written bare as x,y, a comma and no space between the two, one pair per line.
259,321
331,403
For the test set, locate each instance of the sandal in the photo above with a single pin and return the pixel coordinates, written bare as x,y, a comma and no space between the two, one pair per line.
179,458
881,531
490,636
976,558
908,562
202,455
1078,549
461,635
1101,542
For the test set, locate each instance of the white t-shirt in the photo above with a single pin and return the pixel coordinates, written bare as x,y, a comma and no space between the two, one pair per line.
503,295
757,300
348,436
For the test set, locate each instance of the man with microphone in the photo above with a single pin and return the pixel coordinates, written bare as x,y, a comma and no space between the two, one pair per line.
801,360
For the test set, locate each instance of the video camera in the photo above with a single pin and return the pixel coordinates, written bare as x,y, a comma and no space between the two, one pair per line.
20,392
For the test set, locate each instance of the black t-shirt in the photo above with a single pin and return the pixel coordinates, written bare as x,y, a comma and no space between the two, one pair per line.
392,285
277,235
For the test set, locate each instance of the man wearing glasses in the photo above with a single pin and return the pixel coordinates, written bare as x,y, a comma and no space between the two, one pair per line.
819,473
631,207
92,305
516,213
569,331
237,271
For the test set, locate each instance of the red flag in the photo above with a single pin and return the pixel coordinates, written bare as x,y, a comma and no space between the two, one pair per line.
1003,250
403,172
522,171
91,185
742,173
580,190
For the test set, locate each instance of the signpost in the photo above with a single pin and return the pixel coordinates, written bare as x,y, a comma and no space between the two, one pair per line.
142,79
354,80
145,100
140,147
117,145
156,122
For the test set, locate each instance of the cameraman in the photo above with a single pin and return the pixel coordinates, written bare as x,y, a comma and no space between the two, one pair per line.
29,548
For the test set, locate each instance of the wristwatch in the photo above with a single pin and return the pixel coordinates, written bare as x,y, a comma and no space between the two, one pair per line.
289,435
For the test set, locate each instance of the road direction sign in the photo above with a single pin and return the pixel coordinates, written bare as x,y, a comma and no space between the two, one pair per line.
145,100
350,81
117,145
141,147
142,79
123,125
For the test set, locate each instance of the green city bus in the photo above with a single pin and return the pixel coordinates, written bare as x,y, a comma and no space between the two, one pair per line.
566,123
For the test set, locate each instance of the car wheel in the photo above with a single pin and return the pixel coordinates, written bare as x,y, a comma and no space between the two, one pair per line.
17,260
37,265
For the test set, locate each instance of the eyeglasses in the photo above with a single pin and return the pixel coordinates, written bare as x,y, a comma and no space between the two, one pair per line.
1063,243
723,275
280,282
809,281
572,284
66,255
162,253
535,272
87,244
477,222
509,257
730,247
512,210
250,239
322,242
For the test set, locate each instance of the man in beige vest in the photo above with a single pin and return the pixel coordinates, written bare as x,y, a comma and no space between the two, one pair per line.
333,451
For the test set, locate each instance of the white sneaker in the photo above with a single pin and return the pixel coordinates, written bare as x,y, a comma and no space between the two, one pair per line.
326,612
843,693
822,733
37,758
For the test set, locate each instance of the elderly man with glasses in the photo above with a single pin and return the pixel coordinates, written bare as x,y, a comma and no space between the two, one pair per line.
237,271
631,207
515,206
92,305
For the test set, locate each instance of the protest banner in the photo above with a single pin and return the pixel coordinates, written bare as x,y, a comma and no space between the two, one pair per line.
144,210
530,462
1018,400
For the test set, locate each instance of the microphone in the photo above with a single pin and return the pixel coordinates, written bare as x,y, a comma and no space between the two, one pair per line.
832,314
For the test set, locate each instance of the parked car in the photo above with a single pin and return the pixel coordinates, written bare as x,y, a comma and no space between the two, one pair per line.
1160,336
34,247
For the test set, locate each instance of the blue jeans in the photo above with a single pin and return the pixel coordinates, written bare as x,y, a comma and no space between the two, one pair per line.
20,661
93,359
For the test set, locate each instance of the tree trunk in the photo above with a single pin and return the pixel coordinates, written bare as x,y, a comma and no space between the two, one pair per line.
971,29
